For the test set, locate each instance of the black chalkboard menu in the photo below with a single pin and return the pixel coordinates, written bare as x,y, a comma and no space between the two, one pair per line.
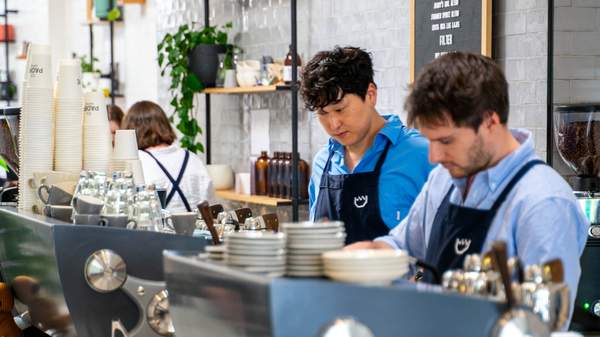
442,26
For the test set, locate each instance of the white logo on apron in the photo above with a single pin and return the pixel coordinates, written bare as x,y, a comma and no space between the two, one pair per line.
461,246
361,201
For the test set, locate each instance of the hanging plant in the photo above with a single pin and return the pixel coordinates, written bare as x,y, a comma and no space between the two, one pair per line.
173,54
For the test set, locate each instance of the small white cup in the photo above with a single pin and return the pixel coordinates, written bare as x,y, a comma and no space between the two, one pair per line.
126,147
230,81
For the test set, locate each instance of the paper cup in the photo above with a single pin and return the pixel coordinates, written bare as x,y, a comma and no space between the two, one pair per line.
95,109
126,147
39,71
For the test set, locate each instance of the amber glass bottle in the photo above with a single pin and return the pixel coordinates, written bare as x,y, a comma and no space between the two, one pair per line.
273,174
262,173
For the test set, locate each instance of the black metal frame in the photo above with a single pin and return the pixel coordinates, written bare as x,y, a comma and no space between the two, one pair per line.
550,85
7,42
294,92
111,74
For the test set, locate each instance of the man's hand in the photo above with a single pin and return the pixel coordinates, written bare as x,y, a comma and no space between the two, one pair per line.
368,245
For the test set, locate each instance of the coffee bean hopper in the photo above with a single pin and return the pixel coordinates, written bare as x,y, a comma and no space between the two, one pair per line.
577,137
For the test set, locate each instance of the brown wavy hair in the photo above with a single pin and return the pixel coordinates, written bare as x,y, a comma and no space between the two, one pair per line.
464,87
150,123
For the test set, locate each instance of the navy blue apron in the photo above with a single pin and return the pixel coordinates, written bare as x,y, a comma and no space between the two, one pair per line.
175,182
458,231
353,199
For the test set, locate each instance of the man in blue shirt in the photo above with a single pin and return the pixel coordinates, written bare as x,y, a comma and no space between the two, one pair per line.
374,166
490,184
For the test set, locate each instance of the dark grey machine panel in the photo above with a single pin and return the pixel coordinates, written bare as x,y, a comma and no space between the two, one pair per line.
48,257
209,299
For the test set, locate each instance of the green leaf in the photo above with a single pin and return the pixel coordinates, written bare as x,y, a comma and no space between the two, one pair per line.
3,165
193,83
114,14
161,58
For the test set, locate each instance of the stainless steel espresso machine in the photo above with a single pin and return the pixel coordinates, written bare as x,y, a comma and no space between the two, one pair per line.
577,137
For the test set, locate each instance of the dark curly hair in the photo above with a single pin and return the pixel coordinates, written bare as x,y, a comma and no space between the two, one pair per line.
463,86
332,74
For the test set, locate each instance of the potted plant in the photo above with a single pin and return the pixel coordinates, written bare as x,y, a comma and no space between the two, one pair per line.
192,57
90,76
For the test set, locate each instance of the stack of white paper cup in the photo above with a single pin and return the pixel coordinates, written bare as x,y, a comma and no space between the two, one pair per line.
37,123
68,155
125,155
97,147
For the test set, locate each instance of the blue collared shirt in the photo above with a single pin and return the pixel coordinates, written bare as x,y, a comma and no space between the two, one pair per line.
540,219
403,173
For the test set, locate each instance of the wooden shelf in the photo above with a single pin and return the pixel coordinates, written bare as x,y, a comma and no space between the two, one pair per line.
246,90
96,22
252,199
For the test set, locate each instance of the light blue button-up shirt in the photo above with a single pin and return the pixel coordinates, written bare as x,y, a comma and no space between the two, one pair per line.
403,173
540,219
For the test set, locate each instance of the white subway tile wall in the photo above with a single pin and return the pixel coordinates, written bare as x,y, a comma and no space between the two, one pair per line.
576,56
262,27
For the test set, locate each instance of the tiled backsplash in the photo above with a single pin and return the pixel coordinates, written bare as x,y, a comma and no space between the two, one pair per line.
262,27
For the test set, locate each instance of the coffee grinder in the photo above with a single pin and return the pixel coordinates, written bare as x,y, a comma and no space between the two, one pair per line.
577,137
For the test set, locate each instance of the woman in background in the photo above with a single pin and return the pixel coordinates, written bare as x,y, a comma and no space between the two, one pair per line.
165,164
115,118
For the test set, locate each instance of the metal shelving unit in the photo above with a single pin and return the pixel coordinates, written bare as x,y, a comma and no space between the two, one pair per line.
293,87
7,42
111,73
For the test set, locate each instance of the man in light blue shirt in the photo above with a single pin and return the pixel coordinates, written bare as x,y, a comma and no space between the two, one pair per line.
374,166
490,184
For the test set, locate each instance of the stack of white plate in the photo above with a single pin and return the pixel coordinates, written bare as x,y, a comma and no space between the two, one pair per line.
97,142
256,252
215,253
36,151
68,151
307,241
374,267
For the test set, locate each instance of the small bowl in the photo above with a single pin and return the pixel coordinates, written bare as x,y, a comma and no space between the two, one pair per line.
247,78
221,176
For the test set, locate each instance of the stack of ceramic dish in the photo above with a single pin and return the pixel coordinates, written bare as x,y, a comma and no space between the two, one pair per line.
68,151
374,267
307,241
36,123
215,253
97,143
256,252
125,155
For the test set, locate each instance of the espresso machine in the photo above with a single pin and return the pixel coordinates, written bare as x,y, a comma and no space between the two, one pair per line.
577,138
9,134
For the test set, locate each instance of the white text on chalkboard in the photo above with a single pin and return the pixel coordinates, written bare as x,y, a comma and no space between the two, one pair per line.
445,4
446,40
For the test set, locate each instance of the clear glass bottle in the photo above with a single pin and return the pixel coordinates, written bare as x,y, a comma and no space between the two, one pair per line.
220,81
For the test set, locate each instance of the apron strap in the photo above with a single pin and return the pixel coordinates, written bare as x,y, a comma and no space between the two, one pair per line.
174,183
382,157
377,166
514,181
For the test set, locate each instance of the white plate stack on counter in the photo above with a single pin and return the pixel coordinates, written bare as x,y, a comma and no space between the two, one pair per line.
215,253
256,252
307,241
369,266
97,142
36,145
68,107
